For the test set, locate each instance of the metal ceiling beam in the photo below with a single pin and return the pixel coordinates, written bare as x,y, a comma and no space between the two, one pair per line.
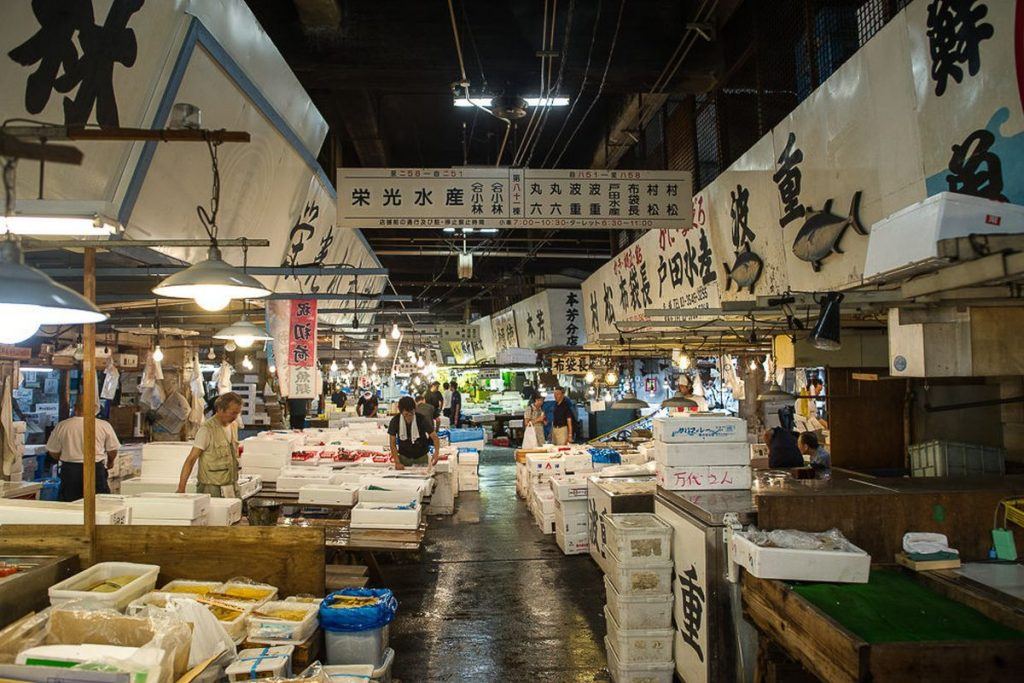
164,271
375,311
36,244
283,296
483,254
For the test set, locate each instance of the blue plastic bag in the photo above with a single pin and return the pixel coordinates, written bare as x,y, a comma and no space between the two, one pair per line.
363,618
605,456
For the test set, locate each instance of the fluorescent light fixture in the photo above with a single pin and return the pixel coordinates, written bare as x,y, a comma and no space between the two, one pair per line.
489,230
34,368
448,230
63,226
530,102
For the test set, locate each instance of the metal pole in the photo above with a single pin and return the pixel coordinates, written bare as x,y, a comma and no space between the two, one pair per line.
88,388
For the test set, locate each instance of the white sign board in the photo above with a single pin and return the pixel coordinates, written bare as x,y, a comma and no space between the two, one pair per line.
503,198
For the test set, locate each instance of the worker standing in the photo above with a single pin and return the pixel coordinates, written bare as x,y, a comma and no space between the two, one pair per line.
367,404
65,444
534,417
561,424
216,449
436,399
456,398
410,434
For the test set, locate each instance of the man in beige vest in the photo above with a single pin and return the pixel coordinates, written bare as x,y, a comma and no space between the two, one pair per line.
216,449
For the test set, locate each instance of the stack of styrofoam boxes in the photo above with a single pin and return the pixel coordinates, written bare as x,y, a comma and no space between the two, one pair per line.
469,469
15,511
571,517
442,500
701,452
160,469
18,468
639,594
540,498
248,393
266,455
169,509
292,479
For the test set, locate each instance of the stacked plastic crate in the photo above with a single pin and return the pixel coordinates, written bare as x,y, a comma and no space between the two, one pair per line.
639,603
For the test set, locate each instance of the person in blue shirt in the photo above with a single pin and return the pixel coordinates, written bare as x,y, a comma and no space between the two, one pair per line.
821,459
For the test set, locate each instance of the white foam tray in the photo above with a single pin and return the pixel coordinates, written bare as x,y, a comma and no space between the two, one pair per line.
384,516
799,565
329,494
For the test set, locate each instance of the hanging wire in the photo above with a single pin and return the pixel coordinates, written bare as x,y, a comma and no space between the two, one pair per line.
209,219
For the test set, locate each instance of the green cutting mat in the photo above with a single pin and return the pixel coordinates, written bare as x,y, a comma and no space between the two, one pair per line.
893,608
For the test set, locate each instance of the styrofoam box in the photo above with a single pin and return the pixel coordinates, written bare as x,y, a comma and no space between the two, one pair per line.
638,537
574,525
329,494
400,495
269,474
170,505
621,672
577,462
545,524
425,484
547,463
146,485
700,429
579,545
639,646
384,516
649,579
569,488
261,459
265,662
13,511
468,457
799,565
224,511
689,454
77,587
270,629
638,611
165,521
700,478
469,482
568,508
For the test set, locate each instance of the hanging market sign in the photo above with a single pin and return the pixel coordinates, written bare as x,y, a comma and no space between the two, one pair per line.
304,379
503,326
575,364
512,197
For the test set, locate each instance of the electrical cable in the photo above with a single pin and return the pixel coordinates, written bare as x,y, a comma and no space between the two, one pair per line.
558,82
600,88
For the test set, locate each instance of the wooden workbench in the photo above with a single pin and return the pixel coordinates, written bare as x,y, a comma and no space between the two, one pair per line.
790,623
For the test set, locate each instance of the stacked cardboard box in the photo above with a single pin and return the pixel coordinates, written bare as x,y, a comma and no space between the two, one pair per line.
701,451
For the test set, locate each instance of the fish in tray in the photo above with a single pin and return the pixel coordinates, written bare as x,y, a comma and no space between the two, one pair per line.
822,232
745,271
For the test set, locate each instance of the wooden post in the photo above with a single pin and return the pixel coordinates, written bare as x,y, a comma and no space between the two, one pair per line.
89,406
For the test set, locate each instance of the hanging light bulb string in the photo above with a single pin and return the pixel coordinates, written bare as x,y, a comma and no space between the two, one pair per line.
208,219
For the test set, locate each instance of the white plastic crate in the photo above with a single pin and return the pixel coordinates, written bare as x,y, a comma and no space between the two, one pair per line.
78,587
638,611
799,565
639,646
384,516
329,494
264,662
638,537
689,454
955,459
264,627
699,429
400,495
621,672
651,579
185,506
224,511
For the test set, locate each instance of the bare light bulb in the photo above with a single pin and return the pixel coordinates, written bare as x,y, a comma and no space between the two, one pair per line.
158,354
334,366
230,346
395,332
611,377
753,364
212,355
17,329
419,362
212,299
589,377
351,366
684,361
382,348
272,369
244,341
373,367
246,363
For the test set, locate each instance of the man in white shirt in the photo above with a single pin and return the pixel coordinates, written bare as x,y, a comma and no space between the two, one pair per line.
65,444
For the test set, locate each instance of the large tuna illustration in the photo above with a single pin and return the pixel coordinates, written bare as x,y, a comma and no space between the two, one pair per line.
823,230
745,270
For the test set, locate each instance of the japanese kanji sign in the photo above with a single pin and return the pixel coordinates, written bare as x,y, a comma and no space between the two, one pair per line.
503,327
302,370
575,364
512,197
552,317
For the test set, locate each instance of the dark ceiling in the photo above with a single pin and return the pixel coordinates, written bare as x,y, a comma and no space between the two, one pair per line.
382,75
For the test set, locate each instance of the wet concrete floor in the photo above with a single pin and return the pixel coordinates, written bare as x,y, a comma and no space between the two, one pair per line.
493,599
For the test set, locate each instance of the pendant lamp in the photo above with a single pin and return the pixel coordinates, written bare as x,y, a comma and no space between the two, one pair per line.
679,400
243,333
630,402
825,335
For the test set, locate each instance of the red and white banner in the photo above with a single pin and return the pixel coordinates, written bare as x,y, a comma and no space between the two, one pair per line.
304,378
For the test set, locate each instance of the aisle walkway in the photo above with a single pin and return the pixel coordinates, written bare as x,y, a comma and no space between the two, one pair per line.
493,598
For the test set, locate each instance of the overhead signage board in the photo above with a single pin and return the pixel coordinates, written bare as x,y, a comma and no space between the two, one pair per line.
512,198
